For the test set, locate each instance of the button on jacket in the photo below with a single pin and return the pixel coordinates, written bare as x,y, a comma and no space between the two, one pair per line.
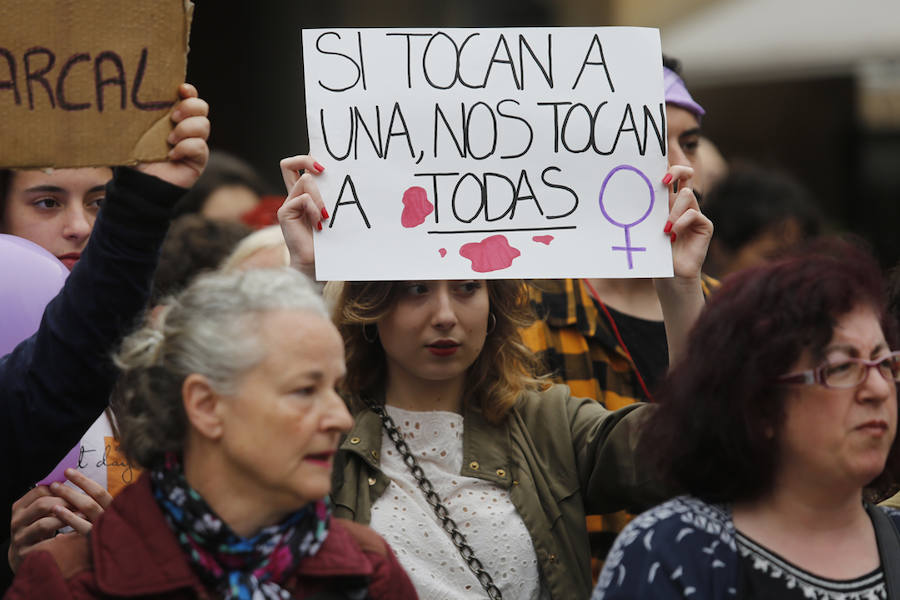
561,458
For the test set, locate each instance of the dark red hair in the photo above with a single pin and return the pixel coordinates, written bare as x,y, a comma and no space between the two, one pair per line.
712,436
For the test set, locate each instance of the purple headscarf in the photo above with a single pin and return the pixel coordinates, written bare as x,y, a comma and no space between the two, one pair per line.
676,93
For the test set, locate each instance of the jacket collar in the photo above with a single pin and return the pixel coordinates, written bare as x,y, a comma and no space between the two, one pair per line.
136,554
364,438
486,448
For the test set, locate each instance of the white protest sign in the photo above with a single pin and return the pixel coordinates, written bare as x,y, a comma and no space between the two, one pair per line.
488,153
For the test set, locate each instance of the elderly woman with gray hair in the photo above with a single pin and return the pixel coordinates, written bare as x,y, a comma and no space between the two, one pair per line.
228,400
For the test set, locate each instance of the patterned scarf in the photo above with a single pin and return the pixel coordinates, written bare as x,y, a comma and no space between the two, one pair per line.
239,568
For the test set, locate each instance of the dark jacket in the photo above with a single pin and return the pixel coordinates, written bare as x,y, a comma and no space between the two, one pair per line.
132,552
57,382
560,457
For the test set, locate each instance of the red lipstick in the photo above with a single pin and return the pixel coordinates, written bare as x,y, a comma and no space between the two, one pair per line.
69,259
443,347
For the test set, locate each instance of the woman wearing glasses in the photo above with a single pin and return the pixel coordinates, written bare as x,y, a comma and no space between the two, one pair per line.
779,422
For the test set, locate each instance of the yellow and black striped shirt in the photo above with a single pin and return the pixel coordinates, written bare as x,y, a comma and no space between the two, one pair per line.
577,345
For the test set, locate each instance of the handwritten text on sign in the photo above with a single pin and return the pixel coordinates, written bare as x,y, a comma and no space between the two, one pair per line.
498,153
89,82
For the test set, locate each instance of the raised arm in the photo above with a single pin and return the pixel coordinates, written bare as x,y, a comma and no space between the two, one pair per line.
57,382
681,296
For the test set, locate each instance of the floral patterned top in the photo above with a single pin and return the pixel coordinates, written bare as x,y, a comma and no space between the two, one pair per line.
688,548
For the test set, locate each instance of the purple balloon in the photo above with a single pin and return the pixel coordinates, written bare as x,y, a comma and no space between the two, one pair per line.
29,278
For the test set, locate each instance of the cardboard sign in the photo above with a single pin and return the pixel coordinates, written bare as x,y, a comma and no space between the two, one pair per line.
488,153
89,82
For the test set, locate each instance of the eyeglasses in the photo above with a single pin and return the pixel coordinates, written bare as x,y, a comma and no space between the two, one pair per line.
847,373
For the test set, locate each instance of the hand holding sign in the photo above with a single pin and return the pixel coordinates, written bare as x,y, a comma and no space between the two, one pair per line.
40,513
81,509
189,153
302,211
690,230
681,296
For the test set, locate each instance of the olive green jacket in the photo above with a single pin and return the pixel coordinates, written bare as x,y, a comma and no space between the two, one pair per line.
560,457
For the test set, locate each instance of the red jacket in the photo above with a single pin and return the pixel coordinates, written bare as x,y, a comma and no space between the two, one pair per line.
132,552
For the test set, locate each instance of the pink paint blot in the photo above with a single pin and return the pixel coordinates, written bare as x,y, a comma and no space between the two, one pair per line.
443,252
543,239
416,207
490,254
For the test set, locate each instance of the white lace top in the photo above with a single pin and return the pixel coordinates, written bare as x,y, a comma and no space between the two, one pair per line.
481,509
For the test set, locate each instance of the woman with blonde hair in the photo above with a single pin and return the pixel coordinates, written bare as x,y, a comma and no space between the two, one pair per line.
478,474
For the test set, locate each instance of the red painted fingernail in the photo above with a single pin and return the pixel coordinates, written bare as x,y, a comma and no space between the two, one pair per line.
319,226
673,236
319,168
668,227
667,179
324,214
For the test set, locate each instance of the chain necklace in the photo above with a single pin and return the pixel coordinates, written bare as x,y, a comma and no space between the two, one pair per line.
434,500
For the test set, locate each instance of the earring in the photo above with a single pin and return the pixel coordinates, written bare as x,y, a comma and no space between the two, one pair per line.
370,337
492,322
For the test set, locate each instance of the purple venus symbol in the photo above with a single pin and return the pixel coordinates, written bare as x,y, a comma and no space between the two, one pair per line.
627,248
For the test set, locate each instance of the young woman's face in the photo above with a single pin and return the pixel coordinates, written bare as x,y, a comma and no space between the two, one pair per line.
436,329
56,209
683,139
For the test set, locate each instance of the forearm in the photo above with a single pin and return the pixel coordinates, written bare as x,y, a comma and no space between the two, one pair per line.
682,300
56,383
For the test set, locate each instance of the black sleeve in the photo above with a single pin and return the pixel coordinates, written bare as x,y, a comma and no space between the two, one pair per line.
55,384
6,574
